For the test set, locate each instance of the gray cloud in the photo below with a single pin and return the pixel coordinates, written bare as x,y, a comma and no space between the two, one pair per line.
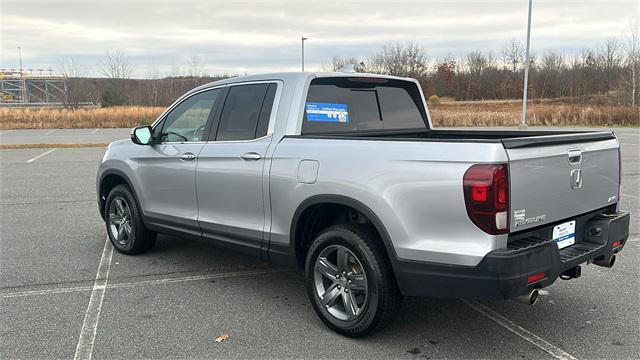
259,36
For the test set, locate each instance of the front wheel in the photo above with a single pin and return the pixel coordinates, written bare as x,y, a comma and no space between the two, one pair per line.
124,223
349,281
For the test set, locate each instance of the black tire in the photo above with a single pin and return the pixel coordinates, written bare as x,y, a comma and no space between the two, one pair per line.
383,297
139,239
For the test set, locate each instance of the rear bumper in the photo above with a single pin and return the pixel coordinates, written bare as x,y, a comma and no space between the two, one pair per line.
504,273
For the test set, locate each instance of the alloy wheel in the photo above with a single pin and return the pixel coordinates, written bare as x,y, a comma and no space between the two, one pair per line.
120,220
340,282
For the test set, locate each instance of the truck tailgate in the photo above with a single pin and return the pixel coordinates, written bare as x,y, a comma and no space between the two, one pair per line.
555,180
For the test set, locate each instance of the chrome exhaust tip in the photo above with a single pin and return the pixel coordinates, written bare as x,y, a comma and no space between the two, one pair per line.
529,298
606,262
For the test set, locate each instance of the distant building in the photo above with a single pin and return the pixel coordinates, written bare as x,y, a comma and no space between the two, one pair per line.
32,87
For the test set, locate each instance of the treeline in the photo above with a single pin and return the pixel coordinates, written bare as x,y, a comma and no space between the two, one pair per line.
609,73
118,87
611,69
134,92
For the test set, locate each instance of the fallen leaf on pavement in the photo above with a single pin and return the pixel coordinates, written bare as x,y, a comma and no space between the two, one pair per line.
222,338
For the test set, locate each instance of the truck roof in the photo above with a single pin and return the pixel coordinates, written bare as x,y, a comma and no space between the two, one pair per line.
295,76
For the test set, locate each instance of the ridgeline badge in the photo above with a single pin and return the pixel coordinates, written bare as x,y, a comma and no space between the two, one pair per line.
520,218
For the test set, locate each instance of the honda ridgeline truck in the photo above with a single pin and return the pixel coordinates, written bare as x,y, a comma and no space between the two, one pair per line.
344,176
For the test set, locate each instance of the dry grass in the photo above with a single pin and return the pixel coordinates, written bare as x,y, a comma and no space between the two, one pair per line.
507,113
444,114
59,118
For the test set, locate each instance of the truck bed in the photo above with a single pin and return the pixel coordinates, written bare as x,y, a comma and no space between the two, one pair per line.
546,167
509,138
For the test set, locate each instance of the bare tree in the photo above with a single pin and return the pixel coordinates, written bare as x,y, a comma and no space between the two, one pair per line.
195,67
401,60
176,80
513,53
116,67
74,71
476,62
609,61
550,67
445,77
552,61
611,54
153,85
633,58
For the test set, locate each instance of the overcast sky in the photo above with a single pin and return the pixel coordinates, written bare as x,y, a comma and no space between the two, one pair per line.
264,36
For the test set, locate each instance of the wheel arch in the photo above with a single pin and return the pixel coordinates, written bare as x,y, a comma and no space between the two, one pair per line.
108,180
299,219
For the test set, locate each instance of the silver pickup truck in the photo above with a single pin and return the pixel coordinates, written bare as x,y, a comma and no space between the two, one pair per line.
344,176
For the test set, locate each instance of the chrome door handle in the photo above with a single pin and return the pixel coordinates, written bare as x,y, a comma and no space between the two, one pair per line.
251,156
187,156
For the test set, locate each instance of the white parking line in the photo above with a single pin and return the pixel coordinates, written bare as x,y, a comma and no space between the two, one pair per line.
198,277
41,155
94,131
536,340
46,292
84,349
51,131
134,284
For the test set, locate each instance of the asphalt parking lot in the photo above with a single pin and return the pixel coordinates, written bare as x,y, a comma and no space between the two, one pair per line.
173,301
62,136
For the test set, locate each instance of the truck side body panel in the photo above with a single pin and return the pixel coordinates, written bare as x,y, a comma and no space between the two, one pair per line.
414,188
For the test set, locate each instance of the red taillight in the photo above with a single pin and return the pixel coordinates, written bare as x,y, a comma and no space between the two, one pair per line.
616,244
479,192
502,192
486,195
535,277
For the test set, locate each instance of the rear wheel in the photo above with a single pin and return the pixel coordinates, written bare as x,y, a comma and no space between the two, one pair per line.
124,223
349,281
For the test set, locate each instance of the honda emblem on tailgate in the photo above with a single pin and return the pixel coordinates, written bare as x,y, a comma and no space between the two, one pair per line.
576,179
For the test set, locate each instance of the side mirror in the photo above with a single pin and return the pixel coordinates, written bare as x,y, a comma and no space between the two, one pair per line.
142,135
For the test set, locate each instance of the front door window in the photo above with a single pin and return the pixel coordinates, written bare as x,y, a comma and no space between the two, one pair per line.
187,121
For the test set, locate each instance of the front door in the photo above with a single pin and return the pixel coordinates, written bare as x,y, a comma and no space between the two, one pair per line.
167,170
230,170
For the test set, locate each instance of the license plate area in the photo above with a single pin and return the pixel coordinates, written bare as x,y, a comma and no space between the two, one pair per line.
565,234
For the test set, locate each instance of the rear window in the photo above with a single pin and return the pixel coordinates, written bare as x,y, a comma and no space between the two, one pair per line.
342,104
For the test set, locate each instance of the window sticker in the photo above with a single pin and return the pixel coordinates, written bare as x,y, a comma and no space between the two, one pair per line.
327,112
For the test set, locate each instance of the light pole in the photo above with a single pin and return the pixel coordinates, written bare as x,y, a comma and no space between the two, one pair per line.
303,39
20,57
523,118
23,85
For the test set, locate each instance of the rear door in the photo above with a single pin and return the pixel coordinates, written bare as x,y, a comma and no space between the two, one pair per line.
555,182
167,169
230,170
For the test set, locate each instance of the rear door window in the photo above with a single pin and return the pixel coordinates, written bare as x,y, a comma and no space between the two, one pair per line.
342,104
246,112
